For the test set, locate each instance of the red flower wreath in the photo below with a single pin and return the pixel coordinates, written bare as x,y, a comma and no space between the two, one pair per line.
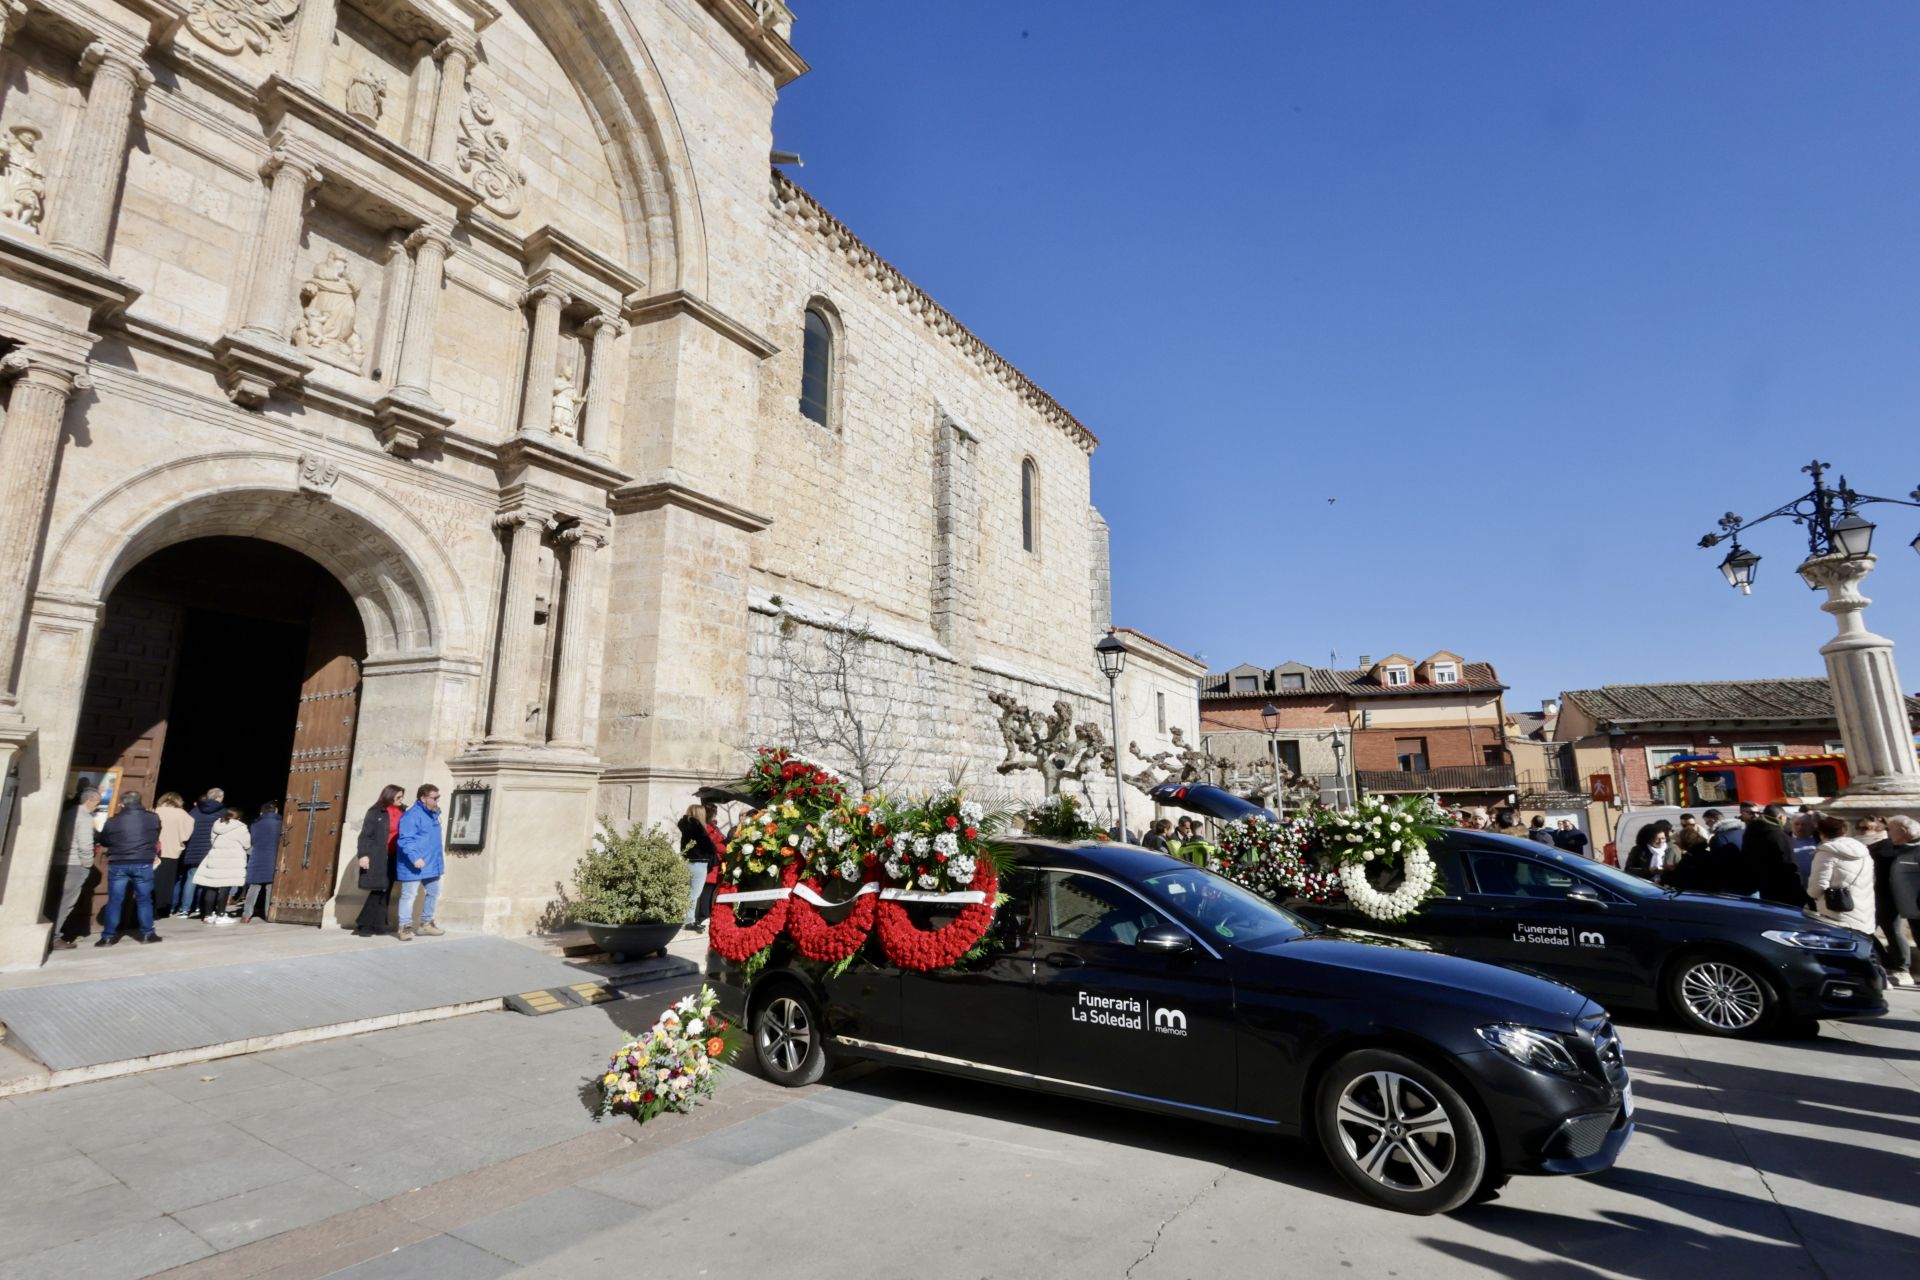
912,947
740,944
830,943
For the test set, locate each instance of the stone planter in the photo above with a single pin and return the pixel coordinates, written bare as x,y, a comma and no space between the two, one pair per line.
631,941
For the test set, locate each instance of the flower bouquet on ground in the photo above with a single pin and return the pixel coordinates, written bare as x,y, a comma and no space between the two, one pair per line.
674,1066
936,855
1380,846
1276,859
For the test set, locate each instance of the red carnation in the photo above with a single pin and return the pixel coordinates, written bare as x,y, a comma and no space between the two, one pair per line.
952,822
971,833
941,856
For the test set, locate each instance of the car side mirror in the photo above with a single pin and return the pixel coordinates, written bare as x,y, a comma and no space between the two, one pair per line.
1586,898
1164,940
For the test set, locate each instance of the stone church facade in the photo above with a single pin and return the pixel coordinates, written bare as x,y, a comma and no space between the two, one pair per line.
419,383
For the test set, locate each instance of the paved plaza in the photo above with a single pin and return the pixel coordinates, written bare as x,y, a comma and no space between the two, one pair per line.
476,1154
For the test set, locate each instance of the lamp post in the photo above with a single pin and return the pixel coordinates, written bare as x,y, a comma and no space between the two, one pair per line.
1270,716
1883,772
1112,654
1340,766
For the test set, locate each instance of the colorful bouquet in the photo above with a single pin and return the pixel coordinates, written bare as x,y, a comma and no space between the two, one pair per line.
674,1066
1276,859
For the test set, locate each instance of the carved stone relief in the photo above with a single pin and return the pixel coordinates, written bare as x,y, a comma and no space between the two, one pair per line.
318,475
485,153
23,179
328,299
233,25
367,97
566,407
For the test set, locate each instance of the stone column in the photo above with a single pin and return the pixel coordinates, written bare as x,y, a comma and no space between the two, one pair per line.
513,654
1883,774
29,443
423,84
98,154
313,42
603,333
397,273
567,725
270,292
455,54
430,250
543,350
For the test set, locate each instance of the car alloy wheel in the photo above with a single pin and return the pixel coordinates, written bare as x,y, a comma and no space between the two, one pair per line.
1397,1132
1722,996
789,1037
1401,1133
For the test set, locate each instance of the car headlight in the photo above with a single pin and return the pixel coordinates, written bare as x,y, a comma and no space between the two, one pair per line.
1812,939
1531,1047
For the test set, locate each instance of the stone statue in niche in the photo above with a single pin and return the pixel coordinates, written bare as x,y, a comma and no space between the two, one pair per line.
23,181
484,152
566,407
233,25
367,97
327,301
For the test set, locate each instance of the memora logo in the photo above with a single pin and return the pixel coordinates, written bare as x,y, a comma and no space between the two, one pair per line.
1592,938
1170,1022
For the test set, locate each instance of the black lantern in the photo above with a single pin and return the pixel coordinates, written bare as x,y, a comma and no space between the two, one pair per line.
1112,654
1270,714
1739,566
1852,535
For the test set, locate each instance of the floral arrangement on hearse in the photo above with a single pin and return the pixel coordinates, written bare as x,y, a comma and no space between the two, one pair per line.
829,872
1373,855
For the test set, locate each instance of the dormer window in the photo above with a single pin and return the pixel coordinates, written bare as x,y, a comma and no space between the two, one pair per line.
1293,681
1246,684
1399,676
1446,673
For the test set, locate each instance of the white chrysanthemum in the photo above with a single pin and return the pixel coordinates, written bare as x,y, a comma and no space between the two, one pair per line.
962,868
849,871
922,845
928,882
973,811
946,842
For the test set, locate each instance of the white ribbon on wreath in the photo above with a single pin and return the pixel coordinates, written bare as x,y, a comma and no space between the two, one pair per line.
922,895
753,895
1416,878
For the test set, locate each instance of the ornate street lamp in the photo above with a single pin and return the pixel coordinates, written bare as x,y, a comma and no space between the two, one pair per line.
1883,772
1270,716
1112,654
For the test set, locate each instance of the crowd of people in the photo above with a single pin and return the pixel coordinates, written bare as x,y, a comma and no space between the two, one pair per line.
209,862
1865,877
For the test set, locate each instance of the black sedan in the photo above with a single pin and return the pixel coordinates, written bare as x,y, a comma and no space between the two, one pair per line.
1129,977
1723,965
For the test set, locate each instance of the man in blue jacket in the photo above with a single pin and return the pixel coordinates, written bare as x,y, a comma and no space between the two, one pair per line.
206,811
132,841
420,862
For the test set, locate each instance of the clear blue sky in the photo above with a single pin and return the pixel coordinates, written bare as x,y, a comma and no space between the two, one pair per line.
1534,291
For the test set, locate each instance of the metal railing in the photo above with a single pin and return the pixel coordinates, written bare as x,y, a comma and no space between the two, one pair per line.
1459,777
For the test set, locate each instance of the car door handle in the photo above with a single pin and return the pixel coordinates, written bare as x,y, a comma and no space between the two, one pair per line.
1062,960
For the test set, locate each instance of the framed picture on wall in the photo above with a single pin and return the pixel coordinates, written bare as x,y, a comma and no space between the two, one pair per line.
107,780
467,813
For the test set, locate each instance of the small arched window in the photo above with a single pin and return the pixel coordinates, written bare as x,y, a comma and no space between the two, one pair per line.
1029,505
816,367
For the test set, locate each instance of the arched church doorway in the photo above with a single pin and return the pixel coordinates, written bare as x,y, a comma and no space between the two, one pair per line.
234,663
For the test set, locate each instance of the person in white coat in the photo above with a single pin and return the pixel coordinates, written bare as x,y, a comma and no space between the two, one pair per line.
225,866
1842,863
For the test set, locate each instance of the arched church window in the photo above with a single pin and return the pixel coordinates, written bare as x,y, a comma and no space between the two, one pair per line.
816,367
1029,505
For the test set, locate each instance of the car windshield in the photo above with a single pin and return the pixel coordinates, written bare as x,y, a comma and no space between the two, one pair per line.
1219,910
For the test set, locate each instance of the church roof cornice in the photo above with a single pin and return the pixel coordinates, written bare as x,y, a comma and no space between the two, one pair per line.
795,201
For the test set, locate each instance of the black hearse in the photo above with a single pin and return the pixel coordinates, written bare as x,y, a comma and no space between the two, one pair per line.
1129,977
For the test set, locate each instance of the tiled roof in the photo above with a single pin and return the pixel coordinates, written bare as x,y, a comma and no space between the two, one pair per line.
1712,702
1160,644
1357,682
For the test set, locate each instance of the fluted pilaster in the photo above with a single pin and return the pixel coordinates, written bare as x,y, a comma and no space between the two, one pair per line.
543,350
270,292
313,42
603,333
29,443
430,250
84,201
567,725
513,651
455,55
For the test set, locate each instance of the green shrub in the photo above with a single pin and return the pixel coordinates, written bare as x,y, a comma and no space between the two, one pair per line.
635,878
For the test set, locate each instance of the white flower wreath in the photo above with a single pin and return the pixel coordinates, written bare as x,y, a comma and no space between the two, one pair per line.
1417,872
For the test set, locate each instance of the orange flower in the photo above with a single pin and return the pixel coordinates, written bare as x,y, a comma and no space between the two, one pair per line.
715,1047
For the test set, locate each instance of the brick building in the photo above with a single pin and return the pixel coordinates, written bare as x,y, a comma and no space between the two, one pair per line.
1393,726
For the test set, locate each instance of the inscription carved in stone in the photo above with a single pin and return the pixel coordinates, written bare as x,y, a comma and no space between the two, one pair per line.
233,25
485,154
367,97
23,180
328,298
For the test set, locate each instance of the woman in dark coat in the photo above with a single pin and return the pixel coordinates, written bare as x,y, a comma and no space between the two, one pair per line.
379,835
260,862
